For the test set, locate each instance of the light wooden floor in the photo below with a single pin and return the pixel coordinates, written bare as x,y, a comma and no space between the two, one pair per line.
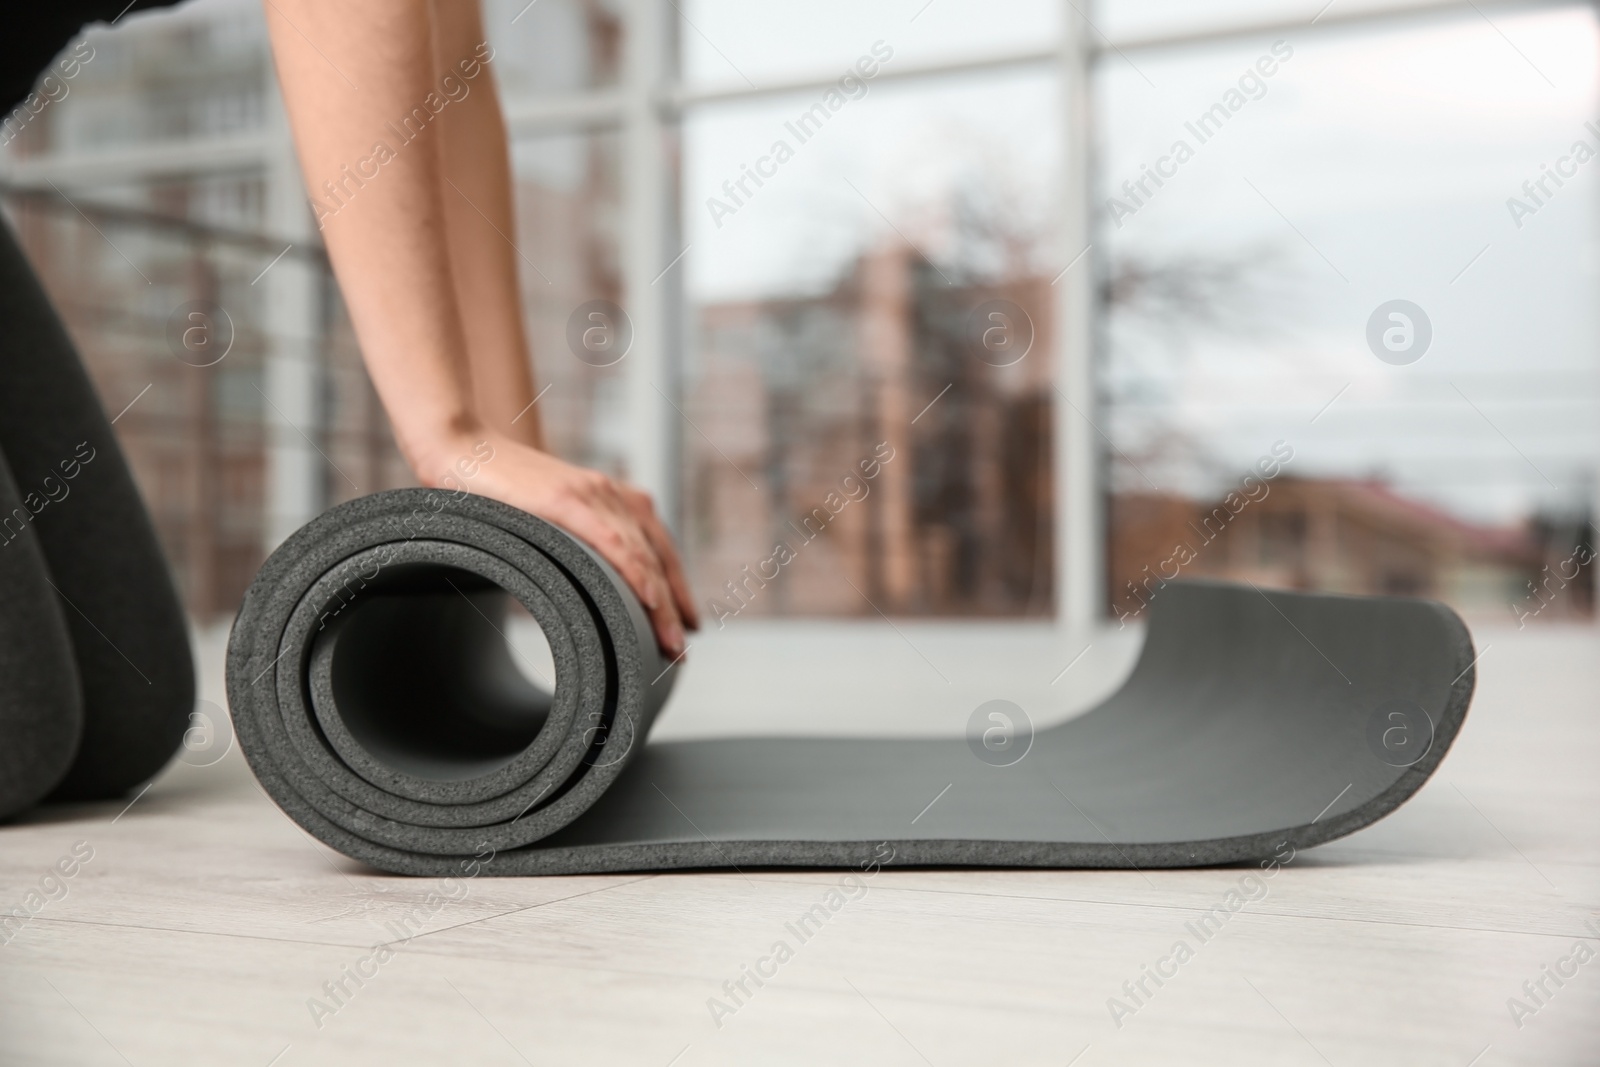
205,920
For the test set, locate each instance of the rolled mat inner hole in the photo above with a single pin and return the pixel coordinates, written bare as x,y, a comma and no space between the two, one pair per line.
423,676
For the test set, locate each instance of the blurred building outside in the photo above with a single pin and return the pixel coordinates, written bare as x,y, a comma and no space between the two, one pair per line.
958,523
1347,536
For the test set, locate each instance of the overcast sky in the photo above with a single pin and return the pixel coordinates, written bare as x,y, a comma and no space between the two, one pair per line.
1377,166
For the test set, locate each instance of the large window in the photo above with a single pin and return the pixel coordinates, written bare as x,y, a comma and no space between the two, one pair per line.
960,309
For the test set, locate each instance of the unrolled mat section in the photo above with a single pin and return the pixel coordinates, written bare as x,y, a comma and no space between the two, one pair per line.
375,696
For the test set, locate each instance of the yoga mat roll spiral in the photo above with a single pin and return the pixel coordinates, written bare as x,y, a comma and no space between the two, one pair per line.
375,698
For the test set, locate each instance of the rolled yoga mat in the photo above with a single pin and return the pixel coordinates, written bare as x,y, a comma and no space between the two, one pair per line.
375,698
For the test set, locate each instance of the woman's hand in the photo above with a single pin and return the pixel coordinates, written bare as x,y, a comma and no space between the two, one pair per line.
616,520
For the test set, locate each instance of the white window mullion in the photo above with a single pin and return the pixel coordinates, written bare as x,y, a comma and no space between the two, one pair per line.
646,188
1078,493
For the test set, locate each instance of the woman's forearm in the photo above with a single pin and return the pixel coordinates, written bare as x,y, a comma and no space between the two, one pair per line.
352,73
481,225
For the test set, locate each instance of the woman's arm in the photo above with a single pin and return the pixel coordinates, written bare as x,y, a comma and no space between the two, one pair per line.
475,164
352,73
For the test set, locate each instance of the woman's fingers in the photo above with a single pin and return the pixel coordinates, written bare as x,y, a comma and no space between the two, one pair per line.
676,579
663,607
668,627
613,530
667,552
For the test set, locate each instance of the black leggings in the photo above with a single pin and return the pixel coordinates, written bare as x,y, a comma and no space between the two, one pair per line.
96,679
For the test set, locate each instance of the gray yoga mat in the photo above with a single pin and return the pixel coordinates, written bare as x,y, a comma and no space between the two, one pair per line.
375,698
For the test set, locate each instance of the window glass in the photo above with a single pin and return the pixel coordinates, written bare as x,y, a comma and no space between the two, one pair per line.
554,46
1350,334
850,444
570,263
739,45
1124,19
197,72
